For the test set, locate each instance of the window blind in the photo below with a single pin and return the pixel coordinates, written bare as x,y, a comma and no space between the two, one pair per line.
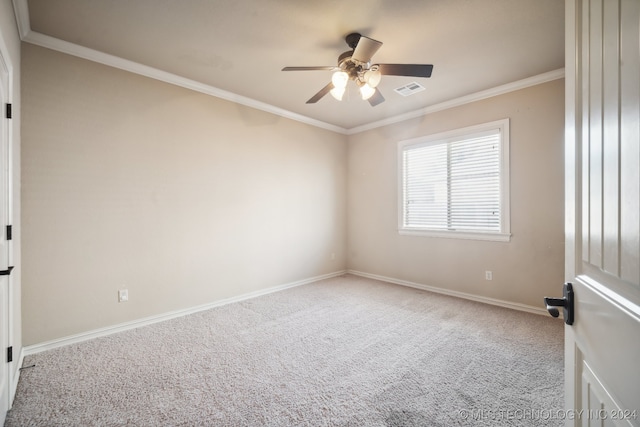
453,184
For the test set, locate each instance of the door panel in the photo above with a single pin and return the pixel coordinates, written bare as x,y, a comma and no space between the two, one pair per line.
606,341
602,348
629,142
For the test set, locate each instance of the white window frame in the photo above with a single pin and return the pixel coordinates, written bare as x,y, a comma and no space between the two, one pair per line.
504,235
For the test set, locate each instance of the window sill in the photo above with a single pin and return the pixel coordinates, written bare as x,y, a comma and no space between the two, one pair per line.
495,237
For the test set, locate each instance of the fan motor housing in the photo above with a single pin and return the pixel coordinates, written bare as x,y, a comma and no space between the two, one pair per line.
352,40
345,57
351,67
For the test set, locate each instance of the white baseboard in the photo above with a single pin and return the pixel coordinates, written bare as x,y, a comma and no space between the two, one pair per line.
96,333
84,336
477,298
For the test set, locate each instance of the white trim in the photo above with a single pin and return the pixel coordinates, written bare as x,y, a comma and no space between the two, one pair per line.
457,294
96,333
16,377
467,99
21,9
6,65
154,73
494,237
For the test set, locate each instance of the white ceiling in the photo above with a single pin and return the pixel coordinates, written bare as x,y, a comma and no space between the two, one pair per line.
238,47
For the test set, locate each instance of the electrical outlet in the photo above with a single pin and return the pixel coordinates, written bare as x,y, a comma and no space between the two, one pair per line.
333,255
488,275
123,295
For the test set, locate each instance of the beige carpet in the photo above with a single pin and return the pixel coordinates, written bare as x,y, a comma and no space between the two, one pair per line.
346,351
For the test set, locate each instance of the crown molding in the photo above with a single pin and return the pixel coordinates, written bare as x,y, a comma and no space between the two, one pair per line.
21,9
154,73
456,102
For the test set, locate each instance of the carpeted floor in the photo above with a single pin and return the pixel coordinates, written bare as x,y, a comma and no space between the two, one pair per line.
346,351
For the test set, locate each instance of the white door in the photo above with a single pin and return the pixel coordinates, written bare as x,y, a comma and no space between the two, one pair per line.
5,307
602,347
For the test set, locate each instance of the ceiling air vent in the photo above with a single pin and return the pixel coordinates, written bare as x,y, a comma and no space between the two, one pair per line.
409,89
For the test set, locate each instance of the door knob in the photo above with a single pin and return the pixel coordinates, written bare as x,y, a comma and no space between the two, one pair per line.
566,302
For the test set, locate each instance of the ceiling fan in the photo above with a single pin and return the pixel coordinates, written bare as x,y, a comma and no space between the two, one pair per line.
356,65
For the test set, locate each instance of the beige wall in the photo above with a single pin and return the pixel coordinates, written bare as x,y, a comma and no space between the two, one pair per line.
186,199
180,197
525,269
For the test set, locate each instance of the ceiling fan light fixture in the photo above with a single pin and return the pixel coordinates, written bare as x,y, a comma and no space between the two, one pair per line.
373,77
367,91
356,65
337,93
340,79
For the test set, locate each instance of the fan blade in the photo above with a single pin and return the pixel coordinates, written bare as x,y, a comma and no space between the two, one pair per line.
376,98
329,67
325,90
413,70
365,49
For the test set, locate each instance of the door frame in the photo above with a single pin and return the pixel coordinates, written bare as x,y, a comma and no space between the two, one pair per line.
573,171
6,141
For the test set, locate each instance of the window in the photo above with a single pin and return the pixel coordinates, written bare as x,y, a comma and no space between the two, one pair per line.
456,184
